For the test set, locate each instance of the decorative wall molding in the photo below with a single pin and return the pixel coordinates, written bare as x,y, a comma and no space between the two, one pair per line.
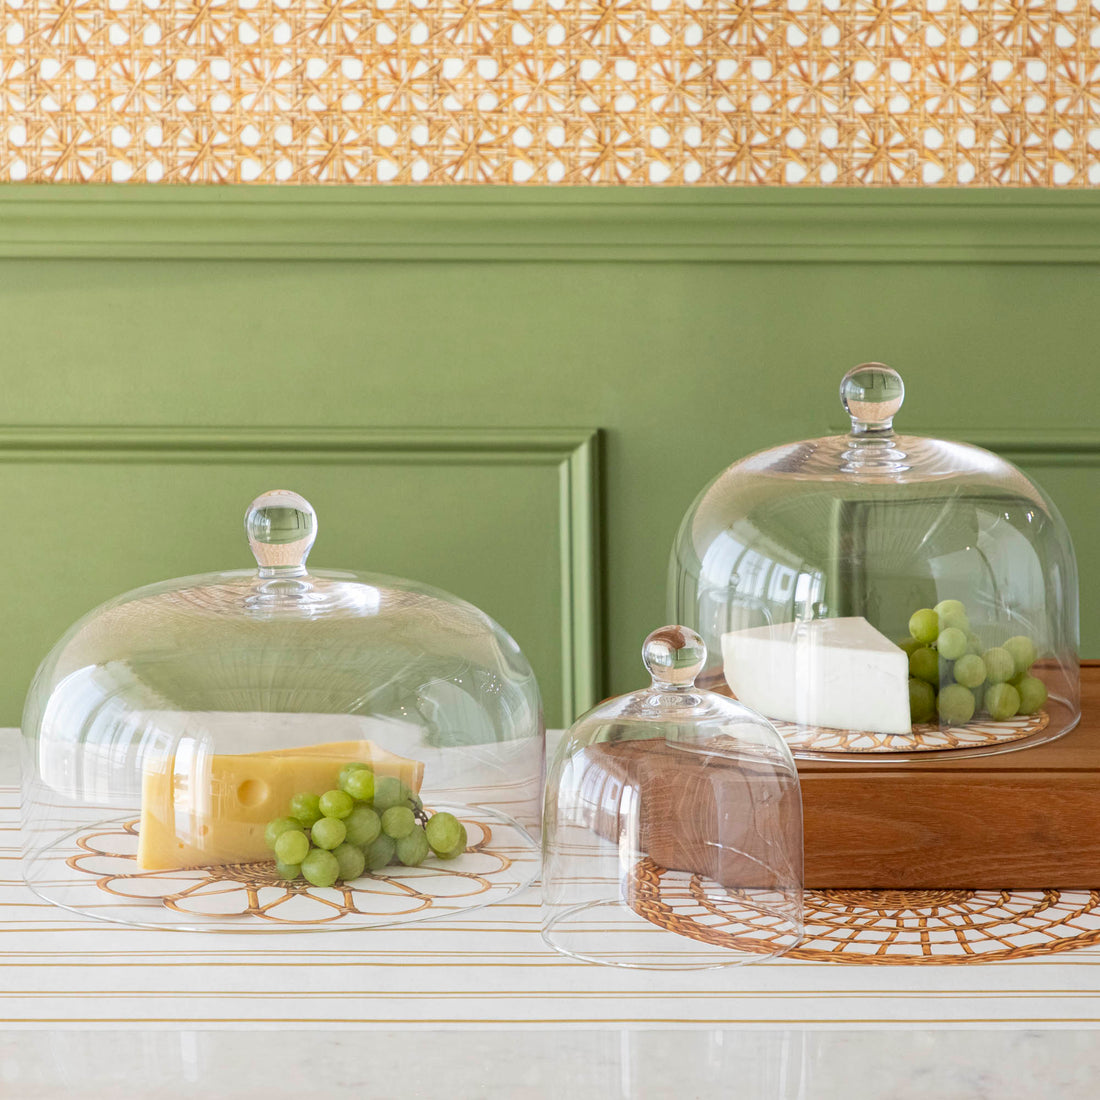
656,224
1031,447
574,452
1024,446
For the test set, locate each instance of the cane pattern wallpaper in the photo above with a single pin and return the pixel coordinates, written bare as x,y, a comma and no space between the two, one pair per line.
835,92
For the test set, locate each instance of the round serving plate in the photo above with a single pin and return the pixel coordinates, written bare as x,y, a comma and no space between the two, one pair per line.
930,742
95,872
926,736
927,741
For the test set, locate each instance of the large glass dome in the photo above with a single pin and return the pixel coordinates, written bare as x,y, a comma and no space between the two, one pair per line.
879,593
173,735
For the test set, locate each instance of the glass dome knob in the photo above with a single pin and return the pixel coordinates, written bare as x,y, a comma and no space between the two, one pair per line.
674,656
872,393
282,527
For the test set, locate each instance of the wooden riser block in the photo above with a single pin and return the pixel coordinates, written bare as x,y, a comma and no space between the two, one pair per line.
1028,819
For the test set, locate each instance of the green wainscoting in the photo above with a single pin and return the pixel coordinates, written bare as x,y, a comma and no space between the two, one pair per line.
430,366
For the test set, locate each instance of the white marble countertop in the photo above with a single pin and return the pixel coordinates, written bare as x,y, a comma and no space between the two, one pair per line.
482,1009
590,1064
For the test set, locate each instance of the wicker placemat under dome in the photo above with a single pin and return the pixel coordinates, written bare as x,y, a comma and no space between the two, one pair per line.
881,927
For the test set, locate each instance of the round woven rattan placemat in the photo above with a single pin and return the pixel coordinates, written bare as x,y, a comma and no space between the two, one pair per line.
926,737
877,927
253,893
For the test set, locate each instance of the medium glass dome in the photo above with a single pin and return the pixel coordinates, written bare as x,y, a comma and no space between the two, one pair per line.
880,593
392,732
673,826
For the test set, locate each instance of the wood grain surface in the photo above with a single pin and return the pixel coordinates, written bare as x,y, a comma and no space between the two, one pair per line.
691,808
1025,820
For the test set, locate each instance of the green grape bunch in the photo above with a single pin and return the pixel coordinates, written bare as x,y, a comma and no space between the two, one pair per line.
954,679
364,823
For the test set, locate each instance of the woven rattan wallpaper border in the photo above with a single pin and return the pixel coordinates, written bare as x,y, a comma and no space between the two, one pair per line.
847,92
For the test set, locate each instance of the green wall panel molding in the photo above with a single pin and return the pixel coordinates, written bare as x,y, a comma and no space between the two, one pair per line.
130,505
548,223
1033,447
130,311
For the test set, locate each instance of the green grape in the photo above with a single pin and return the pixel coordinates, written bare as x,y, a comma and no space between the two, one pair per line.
349,770
337,804
1023,652
956,620
321,868
379,852
974,644
1033,694
291,846
955,705
950,607
413,848
351,859
999,665
329,833
459,847
970,670
287,871
363,825
979,697
924,664
360,784
924,625
389,791
1002,701
415,801
909,645
951,643
398,821
443,829
276,828
306,808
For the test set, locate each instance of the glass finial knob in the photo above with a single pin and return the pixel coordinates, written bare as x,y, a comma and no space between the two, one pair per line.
674,656
282,527
872,393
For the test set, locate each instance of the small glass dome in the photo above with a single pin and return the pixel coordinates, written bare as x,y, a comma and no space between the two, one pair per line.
392,732
880,593
673,826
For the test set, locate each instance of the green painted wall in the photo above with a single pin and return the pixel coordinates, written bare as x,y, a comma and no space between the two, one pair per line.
690,328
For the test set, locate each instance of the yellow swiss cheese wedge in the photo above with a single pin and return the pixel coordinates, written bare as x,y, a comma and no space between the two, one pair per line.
215,812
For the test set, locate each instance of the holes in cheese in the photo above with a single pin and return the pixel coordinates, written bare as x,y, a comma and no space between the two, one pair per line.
206,810
252,792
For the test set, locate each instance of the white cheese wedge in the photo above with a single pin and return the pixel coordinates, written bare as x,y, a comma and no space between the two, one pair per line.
840,673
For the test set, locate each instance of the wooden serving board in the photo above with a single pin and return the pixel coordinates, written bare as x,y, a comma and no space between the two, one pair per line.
1028,819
